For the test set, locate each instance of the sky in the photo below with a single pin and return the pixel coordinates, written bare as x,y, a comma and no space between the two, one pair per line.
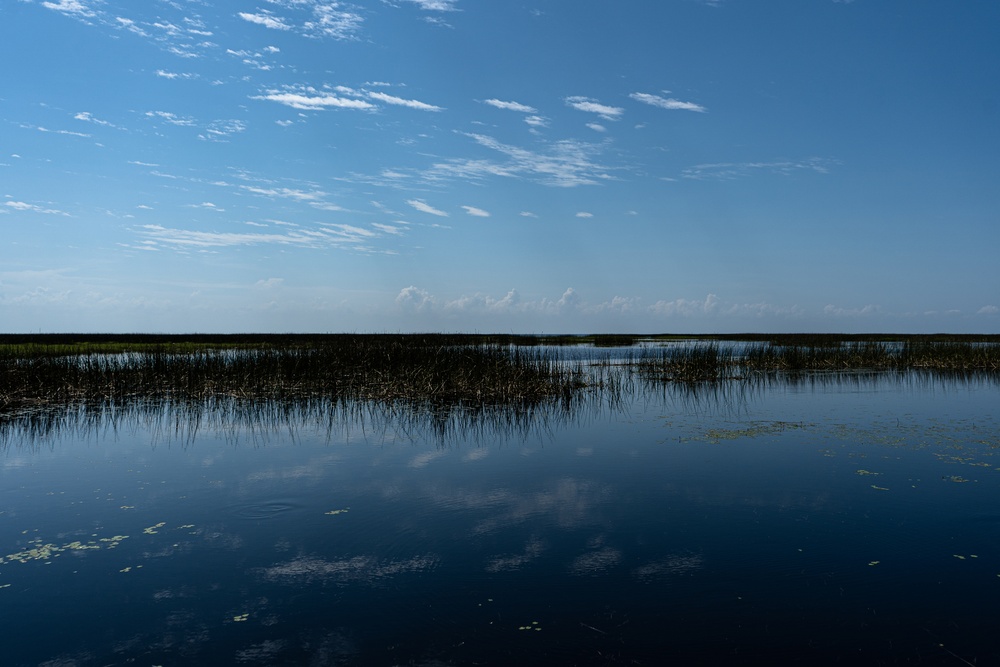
510,166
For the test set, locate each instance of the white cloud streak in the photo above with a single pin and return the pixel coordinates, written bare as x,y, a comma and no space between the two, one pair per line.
593,106
315,102
399,101
436,5
265,19
311,18
476,212
510,106
33,208
76,7
424,207
88,118
325,236
733,170
308,98
567,163
667,103
68,133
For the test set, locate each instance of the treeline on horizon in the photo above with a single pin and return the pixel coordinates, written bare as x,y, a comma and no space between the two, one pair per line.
597,339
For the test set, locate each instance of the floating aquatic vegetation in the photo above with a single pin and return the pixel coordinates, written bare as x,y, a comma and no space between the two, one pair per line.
45,551
753,430
153,530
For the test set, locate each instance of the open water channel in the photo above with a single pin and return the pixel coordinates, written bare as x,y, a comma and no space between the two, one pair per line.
833,519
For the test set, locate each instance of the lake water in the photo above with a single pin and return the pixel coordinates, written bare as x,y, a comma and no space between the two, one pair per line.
834,519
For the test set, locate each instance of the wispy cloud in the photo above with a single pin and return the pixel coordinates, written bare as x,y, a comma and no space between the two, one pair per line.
220,130
311,18
424,207
325,236
69,133
254,59
395,230
567,163
178,31
667,103
287,193
313,101
593,106
77,7
399,101
208,206
88,118
265,19
175,75
732,170
510,106
436,5
476,212
308,98
172,118
33,208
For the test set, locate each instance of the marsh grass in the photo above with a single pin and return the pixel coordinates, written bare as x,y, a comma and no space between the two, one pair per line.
713,361
451,386
356,368
440,372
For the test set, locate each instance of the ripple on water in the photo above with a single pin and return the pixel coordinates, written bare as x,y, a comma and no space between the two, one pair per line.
263,510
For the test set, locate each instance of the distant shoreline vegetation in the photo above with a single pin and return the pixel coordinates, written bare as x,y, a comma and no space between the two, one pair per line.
436,370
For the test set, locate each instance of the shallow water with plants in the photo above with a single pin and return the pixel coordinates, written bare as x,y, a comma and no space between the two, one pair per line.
810,518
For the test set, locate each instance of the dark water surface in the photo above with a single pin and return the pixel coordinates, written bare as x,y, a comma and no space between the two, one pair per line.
835,520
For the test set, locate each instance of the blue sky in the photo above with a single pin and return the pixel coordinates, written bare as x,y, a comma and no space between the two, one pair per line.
500,165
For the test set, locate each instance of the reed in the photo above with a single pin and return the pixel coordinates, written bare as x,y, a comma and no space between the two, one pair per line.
431,369
689,363
392,368
711,362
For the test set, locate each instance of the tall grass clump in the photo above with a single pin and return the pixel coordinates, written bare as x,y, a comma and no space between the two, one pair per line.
712,361
870,355
386,368
693,363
